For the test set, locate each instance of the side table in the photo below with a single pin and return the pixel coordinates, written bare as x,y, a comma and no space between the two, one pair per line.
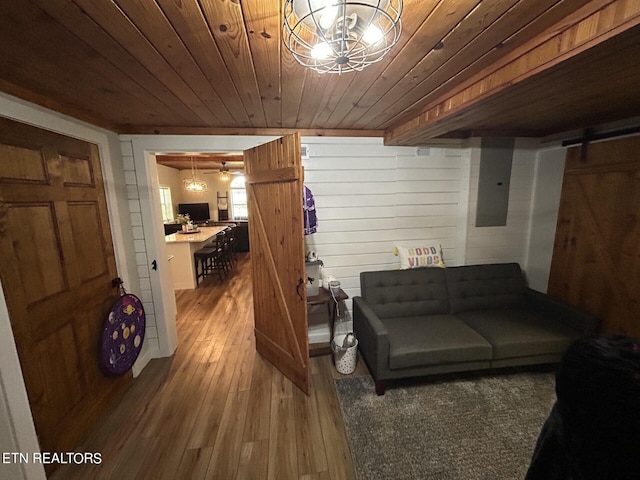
325,297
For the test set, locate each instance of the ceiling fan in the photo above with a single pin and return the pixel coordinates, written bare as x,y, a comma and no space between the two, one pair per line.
224,173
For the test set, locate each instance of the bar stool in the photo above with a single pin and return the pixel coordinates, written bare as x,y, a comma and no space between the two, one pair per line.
211,258
233,245
218,259
202,259
226,251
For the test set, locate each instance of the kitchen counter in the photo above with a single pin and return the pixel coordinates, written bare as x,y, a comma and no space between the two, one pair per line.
180,250
203,234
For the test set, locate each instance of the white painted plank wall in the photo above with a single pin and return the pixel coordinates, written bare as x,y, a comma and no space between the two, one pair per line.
151,347
507,243
544,216
370,198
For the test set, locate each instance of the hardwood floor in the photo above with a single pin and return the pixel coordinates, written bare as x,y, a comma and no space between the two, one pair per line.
216,409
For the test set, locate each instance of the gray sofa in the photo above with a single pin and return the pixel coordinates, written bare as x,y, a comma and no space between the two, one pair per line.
428,321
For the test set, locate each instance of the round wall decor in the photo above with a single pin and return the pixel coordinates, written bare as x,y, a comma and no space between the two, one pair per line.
123,335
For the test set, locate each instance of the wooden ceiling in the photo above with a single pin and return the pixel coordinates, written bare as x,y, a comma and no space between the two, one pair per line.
461,68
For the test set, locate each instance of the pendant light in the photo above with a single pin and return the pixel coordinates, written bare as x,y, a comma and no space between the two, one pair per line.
194,184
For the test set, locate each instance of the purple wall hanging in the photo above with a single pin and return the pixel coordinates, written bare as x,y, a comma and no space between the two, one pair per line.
123,335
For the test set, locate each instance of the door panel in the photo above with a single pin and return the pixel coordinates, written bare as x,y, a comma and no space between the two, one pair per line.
37,222
274,192
90,262
56,265
596,257
28,165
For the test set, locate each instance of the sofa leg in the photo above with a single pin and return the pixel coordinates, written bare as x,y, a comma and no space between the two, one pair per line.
381,387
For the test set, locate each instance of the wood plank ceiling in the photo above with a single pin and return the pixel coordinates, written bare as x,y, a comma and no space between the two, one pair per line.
219,66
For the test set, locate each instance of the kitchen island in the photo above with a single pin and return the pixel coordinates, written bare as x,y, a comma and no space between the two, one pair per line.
180,249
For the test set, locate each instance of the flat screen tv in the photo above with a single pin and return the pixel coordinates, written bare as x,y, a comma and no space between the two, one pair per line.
198,212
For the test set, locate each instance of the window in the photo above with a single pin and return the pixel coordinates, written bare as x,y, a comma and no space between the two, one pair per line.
239,209
165,204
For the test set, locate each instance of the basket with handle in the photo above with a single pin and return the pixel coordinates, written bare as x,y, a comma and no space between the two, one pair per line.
345,352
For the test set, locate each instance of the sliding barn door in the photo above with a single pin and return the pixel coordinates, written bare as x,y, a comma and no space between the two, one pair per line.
596,257
274,189
56,264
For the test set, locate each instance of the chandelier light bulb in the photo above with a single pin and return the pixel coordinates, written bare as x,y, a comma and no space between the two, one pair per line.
328,16
321,51
372,35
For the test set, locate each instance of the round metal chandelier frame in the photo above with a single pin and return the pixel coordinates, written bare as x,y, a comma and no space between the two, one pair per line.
339,36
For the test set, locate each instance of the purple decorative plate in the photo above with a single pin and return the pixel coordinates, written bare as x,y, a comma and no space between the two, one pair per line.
123,335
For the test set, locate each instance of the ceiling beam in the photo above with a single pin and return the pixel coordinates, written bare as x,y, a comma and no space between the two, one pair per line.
203,161
309,132
588,27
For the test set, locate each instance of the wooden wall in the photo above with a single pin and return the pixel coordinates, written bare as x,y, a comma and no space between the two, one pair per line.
596,258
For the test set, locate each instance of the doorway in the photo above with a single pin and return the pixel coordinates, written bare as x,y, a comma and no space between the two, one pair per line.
139,154
194,199
143,150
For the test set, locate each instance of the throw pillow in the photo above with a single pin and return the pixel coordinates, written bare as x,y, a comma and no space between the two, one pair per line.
415,257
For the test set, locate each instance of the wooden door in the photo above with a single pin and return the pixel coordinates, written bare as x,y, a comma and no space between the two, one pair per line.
596,256
274,191
56,265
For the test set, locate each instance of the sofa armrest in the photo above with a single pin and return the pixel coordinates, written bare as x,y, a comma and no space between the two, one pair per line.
572,316
373,340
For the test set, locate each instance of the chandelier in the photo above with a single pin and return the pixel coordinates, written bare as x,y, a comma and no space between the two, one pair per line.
337,36
194,184
224,172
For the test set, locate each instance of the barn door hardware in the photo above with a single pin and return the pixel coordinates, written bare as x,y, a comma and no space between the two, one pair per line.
589,136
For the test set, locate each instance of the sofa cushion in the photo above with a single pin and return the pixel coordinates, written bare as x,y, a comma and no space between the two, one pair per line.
405,293
516,332
433,340
424,256
477,287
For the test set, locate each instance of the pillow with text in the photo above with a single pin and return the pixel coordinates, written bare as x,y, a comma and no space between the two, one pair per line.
416,257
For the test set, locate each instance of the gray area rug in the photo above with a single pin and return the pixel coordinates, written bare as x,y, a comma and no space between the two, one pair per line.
481,428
